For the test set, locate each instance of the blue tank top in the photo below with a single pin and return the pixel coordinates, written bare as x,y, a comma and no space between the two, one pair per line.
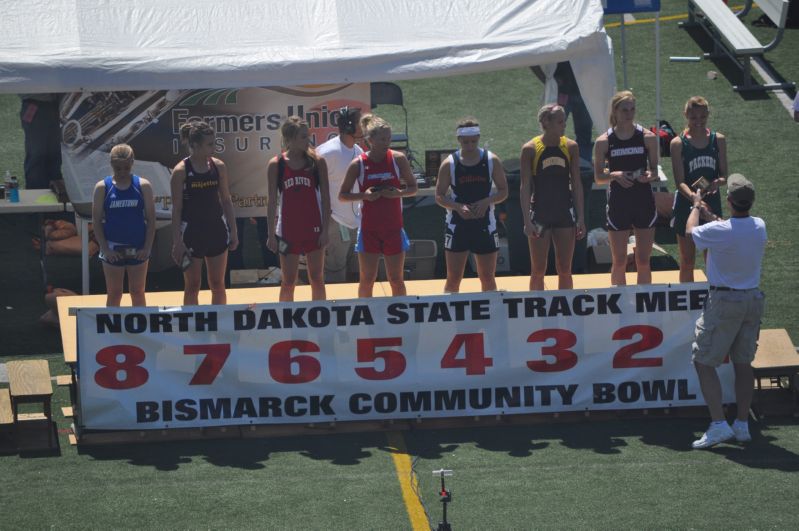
124,223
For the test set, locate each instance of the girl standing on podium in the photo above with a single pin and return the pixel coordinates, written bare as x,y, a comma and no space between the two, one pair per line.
550,173
631,155
699,163
203,224
385,177
477,180
298,209
123,215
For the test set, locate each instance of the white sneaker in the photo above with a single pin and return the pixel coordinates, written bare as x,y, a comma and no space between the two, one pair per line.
741,431
715,434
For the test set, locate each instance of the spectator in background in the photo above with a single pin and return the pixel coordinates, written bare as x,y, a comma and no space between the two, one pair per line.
42,127
338,153
202,215
730,323
236,257
123,215
571,100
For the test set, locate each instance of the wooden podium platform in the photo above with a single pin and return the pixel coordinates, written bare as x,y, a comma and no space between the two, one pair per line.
776,362
334,292
770,359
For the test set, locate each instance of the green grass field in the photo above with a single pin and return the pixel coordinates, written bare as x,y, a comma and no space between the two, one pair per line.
614,474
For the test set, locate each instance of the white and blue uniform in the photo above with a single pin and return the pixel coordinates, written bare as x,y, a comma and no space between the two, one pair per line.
470,184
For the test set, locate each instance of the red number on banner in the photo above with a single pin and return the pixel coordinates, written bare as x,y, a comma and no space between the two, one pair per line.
281,361
108,376
393,360
651,337
474,359
565,359
215,357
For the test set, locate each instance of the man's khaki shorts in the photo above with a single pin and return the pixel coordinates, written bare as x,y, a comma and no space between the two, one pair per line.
341,262
729,325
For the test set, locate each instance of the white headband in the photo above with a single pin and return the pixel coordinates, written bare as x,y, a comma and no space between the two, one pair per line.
468,131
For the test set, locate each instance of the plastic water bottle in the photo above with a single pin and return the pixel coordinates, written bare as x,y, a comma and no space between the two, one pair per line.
7,182
14,189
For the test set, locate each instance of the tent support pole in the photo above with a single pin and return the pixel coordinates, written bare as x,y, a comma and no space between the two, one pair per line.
657,69
624,54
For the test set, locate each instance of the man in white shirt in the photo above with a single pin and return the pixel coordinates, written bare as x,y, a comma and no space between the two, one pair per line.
338,152
730,322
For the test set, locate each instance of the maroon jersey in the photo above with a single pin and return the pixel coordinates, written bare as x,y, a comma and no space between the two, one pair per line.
384,213
299,211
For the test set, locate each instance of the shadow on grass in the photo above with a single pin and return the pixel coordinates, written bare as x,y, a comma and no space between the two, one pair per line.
762,453
608,438
518,441
246,454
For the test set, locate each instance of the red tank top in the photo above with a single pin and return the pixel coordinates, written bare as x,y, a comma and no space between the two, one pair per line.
384,213
299,212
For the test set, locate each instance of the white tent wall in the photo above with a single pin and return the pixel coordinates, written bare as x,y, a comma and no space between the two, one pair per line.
596,86
102,45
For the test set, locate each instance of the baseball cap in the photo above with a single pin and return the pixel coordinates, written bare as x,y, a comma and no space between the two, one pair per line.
740,190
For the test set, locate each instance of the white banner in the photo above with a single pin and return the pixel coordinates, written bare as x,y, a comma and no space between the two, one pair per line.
390,358
247,123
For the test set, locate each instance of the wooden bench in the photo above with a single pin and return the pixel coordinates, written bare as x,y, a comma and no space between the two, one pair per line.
732,38
777,359
29,382
7,428
6,413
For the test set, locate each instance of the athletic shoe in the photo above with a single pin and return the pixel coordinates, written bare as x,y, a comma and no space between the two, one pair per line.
741,431
715,434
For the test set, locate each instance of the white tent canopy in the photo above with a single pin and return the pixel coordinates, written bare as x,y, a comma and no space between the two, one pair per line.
103,45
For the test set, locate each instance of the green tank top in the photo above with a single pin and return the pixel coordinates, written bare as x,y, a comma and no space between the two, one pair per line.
698,163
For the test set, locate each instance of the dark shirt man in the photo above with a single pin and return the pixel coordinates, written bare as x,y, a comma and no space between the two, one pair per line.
41,124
